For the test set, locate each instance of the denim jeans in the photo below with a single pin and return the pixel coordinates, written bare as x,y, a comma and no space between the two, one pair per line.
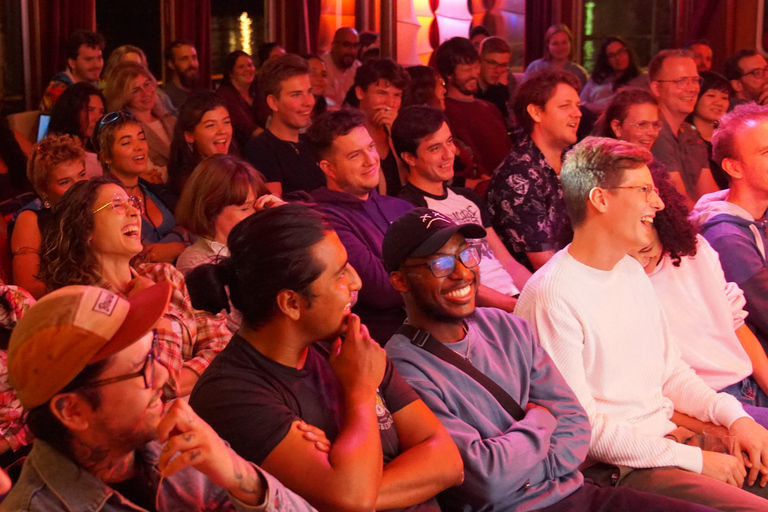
754,400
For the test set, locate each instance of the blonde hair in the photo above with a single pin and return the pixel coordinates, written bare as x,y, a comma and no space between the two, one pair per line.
49,153
118,89
116,57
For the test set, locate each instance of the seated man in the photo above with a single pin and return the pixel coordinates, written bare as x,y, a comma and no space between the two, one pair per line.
745,69
525,198
83,50
424,142
84,365
702,54
182,71
492,85
519,465
599,318
733,220
281,153
359,214
278,374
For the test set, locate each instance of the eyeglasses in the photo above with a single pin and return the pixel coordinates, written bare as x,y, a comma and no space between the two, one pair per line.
147,371
617,53
646,189
349,46
111,118
647,126
684,81
443,266
497,65
758,73
120,204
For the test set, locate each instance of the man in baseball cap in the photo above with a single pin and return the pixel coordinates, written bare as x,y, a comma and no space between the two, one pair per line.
83,362
510,463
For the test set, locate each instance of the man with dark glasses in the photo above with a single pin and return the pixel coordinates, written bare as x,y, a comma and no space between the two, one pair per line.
84,364
528,463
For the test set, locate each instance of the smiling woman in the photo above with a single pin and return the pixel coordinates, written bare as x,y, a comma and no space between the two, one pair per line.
93,237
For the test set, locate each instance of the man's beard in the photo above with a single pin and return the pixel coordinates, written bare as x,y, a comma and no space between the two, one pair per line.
189,78
462,88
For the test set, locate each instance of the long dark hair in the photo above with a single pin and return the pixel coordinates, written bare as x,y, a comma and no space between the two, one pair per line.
184,156
65,253
676,233
68,110
603,70
273,248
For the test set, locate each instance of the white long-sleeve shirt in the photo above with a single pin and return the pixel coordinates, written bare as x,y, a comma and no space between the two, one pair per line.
607,333
704,311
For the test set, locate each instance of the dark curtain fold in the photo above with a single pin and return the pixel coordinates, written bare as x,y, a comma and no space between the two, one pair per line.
193,23
302,25
700,14
538,18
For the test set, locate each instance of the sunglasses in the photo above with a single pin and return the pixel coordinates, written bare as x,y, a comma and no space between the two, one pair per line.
111,118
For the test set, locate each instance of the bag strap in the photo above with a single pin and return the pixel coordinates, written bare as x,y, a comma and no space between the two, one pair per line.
425,340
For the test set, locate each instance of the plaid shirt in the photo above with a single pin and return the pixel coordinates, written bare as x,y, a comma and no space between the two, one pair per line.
196,336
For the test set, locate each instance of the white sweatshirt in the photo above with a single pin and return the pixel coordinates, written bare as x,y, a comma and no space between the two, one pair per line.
704,311
608,335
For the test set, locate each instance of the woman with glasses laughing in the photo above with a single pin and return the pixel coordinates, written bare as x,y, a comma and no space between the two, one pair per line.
92,238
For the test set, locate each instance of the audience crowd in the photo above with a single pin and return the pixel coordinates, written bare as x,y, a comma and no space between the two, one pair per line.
336,283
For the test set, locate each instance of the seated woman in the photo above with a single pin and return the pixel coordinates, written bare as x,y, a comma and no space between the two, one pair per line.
318,77
76,113
289,276
57,163
714,97
130,53
238,90
204,128
615,67
705,312
91,240
558,52
221,192
132,87
122,145
633,116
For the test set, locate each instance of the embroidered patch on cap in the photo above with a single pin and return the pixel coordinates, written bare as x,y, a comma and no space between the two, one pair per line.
106,303
433,216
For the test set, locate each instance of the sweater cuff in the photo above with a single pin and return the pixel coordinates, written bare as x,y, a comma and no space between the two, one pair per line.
729,409
689,458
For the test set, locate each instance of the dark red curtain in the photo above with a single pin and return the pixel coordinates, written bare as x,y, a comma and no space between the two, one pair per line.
698,15
192,22
51,23
538,18
302,24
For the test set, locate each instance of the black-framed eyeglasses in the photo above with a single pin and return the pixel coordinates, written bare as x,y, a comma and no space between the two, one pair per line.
443,266
684,81
147,371
646,189
497,65
758,73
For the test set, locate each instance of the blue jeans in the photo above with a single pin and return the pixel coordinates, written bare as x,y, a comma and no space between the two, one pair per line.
754,400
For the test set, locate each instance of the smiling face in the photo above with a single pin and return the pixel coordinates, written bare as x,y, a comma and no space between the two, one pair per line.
712,105
679,100
141,94
379,95
293,106
333,291
90,116
116,234
749,86
434,158
185,64
559,120
244,71
88,65
751,165
318,76
630,212
465,77
129,412
213,134
638,126
650,255
560,46
231,215
352,165
129,151
447,299
493,66
62,177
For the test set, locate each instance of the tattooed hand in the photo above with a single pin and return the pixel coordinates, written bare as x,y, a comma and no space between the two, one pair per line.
189,441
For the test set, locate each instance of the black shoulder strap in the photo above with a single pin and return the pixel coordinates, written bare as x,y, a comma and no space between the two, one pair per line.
425,340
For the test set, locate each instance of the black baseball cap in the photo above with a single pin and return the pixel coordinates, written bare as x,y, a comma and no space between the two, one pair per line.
419,233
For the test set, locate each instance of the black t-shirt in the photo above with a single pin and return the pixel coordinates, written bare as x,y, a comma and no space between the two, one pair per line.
292,164
139,490
251,400
391,174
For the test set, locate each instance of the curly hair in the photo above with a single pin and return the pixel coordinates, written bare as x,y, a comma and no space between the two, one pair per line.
68,111
676,233
49,153
65,253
